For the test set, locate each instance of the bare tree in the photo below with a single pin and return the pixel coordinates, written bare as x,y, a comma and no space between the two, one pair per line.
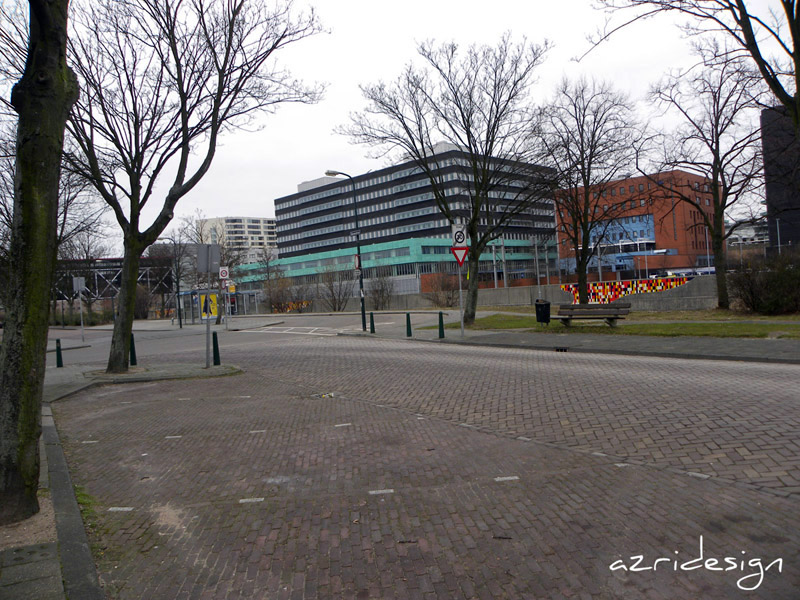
80,211
80,251
768,35
588,138
381,288
477,101
335,288
42,99
443,288
162,81
720,141
183,261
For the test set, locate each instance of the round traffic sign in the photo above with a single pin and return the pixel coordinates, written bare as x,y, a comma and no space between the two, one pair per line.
459,237
223,272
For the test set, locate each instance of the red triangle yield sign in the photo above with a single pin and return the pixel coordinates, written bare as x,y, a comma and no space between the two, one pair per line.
460,252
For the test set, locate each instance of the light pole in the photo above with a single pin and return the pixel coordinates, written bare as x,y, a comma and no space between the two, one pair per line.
359,266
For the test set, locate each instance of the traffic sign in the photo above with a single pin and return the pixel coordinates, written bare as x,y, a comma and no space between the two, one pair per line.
459,236
460,253
224,273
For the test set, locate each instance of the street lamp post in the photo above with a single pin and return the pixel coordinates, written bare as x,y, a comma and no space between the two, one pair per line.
332,173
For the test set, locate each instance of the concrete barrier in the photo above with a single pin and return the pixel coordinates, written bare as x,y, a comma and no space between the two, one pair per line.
698,294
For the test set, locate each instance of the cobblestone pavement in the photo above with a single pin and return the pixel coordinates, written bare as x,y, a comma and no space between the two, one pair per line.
344,467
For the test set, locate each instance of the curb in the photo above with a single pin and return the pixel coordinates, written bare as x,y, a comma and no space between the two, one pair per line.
78,570
581,350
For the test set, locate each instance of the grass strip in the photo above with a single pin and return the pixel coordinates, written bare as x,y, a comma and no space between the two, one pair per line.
720,329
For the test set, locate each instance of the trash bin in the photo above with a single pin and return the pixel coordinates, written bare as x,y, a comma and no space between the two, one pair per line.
542,311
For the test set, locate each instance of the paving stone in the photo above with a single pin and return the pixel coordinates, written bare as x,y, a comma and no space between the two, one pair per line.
449,528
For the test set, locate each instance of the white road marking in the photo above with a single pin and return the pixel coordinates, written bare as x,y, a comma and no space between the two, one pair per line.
90,442
509,478
343,425
172,437
381,492
290,331
258,431
120,508
250,500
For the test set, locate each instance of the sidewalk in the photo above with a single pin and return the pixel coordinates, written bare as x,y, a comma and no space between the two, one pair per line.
707,348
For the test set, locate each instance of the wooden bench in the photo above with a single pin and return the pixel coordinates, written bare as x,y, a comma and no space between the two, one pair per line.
610,313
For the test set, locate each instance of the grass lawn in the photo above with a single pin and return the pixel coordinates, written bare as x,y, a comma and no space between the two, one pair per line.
721,328
668,315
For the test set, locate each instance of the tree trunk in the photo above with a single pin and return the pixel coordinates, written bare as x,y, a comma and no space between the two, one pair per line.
721,270
123,324
581,267
42,99
471,293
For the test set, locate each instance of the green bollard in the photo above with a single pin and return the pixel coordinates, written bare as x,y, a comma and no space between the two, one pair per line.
133,352
371,323
441,326
408,324
216,348
59,360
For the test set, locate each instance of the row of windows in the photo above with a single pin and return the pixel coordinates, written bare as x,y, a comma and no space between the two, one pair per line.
348,214
384,178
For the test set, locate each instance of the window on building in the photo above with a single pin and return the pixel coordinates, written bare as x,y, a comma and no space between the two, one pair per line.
613,191
631,189
641,202
622,191
641,187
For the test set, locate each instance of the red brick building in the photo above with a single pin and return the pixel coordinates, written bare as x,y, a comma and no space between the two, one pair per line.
648,229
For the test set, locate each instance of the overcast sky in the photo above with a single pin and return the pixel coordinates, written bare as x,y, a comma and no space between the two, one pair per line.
369,41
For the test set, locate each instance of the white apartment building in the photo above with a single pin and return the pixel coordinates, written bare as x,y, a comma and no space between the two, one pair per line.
248,234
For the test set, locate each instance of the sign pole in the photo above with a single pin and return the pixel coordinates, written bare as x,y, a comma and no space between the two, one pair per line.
460,300
208,312
460,251
80,308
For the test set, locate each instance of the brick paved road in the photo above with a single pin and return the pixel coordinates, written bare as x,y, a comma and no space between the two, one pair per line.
441,472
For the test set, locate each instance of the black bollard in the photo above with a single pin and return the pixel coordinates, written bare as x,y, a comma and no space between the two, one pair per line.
59,360
441,326
371,323
133,352
408,324
216,348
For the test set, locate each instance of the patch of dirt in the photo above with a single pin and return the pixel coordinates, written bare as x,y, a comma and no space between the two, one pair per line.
39,529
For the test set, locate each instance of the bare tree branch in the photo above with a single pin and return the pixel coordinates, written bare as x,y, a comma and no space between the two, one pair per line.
588,139
475,101
768,36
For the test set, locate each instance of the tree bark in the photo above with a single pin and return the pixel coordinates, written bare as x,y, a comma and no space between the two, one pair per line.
721,270
42,98
471,301
583,284
123,323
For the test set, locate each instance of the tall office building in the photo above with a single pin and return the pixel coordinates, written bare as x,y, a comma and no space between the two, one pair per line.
399,223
